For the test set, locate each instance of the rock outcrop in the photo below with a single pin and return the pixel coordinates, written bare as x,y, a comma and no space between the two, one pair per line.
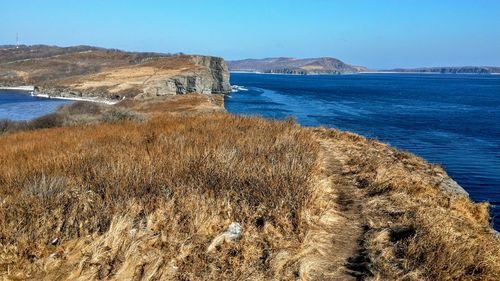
210,77
232,233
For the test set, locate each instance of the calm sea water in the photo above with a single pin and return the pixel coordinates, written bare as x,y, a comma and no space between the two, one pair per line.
453,120
21,106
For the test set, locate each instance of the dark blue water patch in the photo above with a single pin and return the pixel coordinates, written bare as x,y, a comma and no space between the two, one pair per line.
452,120
18,106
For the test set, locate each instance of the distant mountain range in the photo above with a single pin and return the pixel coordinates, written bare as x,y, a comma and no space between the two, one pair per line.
328,65
323,65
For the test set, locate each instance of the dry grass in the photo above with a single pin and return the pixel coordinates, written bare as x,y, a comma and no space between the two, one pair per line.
42,65
143,201
180,105
414,229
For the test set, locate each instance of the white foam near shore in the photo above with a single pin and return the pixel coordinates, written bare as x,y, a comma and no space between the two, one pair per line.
236,88
89,99
19,88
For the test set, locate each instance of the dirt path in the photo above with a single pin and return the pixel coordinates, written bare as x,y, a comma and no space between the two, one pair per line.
332,246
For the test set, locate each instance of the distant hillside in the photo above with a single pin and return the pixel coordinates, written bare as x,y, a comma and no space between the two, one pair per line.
451,70
294,66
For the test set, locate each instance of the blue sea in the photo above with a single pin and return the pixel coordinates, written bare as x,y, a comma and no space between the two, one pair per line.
453,120
19,106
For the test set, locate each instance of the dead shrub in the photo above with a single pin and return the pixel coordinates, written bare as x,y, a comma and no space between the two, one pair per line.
47,121
118,114
7,126
82,107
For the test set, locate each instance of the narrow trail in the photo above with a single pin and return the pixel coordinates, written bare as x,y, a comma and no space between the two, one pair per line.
332,246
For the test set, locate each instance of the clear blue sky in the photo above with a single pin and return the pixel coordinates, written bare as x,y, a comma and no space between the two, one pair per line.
374,33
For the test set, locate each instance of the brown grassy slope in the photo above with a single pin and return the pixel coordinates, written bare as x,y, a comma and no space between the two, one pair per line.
48,69
413,230
182,105
144,200
135,199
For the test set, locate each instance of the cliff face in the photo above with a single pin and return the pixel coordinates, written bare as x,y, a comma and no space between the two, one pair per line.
218,73
210,77
111,74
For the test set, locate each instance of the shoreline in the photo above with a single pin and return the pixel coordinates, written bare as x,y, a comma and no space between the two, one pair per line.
31,91
89,99
362,72
291,74
18,88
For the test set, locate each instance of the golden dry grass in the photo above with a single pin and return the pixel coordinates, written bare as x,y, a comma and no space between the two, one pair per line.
180,105
134,200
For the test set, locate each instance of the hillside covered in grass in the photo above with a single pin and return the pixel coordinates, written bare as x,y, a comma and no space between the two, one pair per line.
176,189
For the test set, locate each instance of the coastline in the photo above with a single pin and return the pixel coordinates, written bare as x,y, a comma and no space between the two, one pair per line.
362,72
18,88
89,99
32,92
290,74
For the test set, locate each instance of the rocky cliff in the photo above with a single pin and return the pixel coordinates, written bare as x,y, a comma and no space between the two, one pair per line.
209,76
95,72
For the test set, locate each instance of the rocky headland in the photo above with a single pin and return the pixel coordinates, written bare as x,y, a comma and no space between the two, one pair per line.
110,74
284,65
